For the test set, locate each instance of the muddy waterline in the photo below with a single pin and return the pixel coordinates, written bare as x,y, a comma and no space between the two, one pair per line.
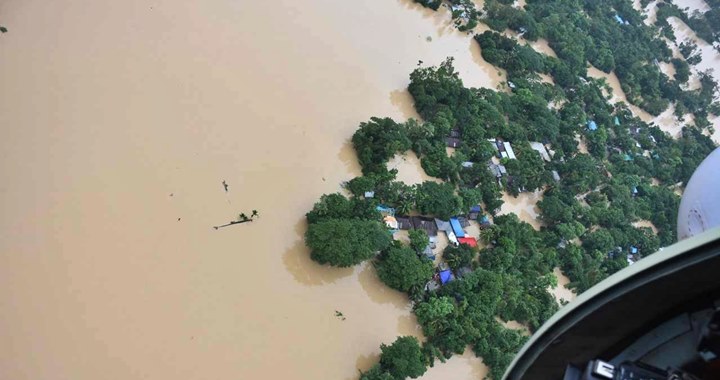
121,120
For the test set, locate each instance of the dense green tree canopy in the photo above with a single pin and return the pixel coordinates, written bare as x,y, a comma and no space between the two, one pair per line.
418,239
337,206
377,141
345,242
459,256
437,199
400,268
403,358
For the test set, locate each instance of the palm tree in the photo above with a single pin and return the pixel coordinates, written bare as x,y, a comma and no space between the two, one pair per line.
243,217
254,214
488,234
403,206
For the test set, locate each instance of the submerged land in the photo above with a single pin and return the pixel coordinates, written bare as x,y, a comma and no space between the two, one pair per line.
121,120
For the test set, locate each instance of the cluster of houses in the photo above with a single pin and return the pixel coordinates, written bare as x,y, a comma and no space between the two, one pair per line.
503,148
454,228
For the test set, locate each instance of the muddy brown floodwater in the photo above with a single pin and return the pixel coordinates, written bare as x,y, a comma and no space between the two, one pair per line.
524,206
710,61
121,120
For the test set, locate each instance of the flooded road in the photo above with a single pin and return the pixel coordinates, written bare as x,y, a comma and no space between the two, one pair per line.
121,120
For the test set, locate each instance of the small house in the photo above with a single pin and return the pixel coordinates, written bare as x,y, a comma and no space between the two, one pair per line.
497,170
634,250
509,150
369,194
467,164
468,240
540,148
616,120
428,253
426,224
452,238
391,222
443,225
474,212
592,125
457,228
499,145
455,133
384,210
484,222
464,271
452,142
404,223
464,222
630,260
446,276
556,176
432,285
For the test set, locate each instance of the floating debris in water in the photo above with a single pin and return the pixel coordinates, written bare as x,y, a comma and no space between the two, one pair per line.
242,218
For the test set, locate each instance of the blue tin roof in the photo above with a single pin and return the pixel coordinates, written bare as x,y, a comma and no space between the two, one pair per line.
445,276
457,228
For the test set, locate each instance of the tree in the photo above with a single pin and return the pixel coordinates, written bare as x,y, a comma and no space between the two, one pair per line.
470,197
377,141
581,173
345,242
337,206
433,313
403,358
401,269
571,230
528,172
418,240
359,185
554,210
460,256
600,240
376,373
437,199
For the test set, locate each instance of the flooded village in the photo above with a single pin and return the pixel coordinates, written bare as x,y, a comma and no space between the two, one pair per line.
132,128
